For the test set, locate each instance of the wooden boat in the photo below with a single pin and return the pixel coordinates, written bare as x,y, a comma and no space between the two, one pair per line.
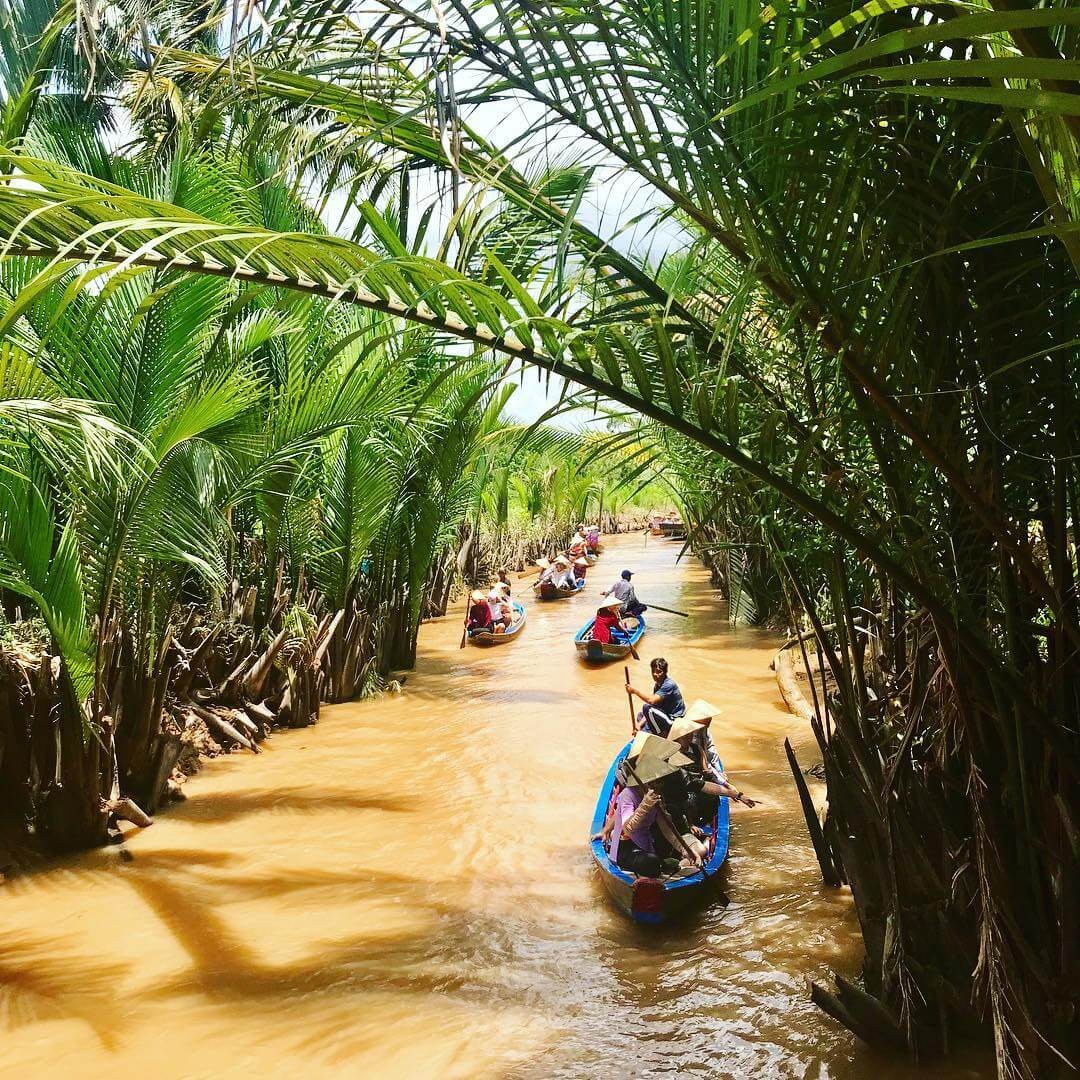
596,650
486,637
673,530
648,900
547,591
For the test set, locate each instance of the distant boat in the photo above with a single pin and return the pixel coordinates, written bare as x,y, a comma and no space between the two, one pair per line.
673,530
487,637
649,900
548,591
597,650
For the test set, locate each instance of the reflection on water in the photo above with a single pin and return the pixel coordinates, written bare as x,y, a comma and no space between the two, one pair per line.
406,890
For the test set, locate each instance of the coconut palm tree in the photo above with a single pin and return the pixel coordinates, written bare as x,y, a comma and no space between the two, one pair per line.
871,319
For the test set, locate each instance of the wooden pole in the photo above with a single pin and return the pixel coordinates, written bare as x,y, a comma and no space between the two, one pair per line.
630,702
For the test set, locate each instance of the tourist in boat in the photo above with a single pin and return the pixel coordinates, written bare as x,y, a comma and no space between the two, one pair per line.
639,809
624,590
504,577
546,572
692,792
664,705
579,545
563,574
502,612
480,617
581,568
592,538
701,713
607,627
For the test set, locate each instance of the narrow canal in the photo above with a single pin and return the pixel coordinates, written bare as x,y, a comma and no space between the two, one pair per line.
406,889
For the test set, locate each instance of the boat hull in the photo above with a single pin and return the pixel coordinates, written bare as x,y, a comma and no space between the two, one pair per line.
486,637
648,900
600,652
550,592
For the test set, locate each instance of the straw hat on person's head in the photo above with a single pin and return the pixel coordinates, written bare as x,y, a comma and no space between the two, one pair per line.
543,563
614,602
683,727
651,758
701,712
562,560
478,595
581,562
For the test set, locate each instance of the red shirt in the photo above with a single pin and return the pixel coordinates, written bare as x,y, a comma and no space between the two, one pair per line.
601,627
480,615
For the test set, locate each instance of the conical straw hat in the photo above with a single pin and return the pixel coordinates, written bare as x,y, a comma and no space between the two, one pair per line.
682,727
701,711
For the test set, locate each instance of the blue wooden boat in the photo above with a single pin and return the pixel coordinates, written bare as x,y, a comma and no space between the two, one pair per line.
647,900
486,637
601,652
547,591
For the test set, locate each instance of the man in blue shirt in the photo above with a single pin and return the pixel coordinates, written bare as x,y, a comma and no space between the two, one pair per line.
663,705
624,591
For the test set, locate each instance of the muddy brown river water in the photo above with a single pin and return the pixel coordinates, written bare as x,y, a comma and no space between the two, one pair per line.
405,890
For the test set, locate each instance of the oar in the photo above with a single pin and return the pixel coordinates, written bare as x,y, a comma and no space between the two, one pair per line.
670,611
465,627
630,702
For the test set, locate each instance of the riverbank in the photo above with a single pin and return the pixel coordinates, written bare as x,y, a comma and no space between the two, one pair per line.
405,889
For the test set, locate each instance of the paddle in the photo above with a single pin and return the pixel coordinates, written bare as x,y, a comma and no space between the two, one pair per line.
465,626
670,611
630,702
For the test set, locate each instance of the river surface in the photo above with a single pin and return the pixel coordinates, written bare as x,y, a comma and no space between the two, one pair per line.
405,890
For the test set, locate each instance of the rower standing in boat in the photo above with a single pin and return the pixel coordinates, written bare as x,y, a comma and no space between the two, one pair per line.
622,589
663,705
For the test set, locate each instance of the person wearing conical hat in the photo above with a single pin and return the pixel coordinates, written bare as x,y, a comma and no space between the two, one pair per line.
628,830
701,784
663,705
502,613
546,572
701,713
562,574
480,616
607,627
581,568
578,543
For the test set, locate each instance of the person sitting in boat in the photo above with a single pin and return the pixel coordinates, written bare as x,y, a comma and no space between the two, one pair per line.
592,537
692,792
702,748
607,627
663,705
546,572
502,612
504,577
480,617
581,568
639,808
622,589
563,575
579,544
